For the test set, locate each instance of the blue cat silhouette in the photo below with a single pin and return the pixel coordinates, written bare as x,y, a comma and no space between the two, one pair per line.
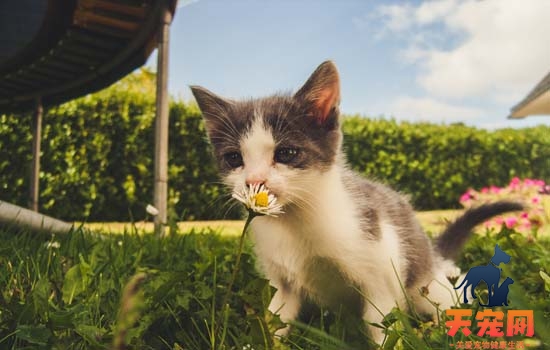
500,295
489,273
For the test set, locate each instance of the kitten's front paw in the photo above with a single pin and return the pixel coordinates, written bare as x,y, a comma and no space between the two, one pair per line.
283,332
378,336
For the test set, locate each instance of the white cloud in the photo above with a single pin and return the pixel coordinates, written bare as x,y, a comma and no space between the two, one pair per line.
414,54
432,11
398,17
389,19
508,48
428,109
503,51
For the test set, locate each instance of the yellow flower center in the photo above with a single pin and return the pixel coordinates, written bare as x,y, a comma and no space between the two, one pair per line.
261,199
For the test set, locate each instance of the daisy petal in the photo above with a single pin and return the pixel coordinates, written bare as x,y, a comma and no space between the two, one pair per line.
258,199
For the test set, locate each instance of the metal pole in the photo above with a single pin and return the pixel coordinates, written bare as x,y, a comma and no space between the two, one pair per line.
35,171
11,214
162,123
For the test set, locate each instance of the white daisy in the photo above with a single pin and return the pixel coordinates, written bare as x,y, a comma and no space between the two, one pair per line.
257,199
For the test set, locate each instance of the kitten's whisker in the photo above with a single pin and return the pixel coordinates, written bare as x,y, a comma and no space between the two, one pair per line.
223,201
231,205
303,203
304,199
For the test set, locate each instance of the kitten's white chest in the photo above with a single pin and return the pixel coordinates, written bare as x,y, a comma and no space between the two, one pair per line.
324,251
303,247
277,247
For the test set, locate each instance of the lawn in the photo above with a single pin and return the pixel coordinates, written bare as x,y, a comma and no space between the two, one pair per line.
432,221
87,290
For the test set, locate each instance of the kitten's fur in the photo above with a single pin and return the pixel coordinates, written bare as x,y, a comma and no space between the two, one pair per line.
343,239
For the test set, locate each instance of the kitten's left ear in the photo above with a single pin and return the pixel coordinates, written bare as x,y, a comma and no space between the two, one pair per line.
209,103
213,107
322,92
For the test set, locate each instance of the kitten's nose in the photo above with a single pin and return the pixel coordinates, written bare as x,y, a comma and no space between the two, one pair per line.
255,177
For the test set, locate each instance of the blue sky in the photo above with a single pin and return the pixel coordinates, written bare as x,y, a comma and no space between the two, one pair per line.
441,61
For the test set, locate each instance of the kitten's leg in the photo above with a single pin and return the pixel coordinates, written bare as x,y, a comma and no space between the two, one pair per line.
377,306
286,303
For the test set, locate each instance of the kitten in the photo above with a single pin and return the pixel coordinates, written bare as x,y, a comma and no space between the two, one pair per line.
343,240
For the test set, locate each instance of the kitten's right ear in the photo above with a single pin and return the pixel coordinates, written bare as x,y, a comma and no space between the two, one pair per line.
211,105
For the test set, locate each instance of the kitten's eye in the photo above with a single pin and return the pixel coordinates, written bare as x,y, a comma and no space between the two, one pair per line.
233,159
285,155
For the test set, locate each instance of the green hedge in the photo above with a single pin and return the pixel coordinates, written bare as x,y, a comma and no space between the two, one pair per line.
97,157
435,164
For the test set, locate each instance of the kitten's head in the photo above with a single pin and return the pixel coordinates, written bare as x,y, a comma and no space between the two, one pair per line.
283,141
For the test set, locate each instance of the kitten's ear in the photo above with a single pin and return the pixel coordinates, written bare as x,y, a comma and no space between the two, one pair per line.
322,92
211,105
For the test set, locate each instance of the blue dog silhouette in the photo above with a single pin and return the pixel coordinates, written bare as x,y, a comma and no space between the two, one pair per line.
489,273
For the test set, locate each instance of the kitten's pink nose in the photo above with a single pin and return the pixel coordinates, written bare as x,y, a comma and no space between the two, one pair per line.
256,176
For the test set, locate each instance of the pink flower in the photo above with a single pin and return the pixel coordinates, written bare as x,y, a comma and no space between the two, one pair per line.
465,198
510,222
515,183
528,190
539,183
533,182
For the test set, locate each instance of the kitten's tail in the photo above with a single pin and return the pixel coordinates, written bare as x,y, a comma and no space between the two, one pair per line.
450,242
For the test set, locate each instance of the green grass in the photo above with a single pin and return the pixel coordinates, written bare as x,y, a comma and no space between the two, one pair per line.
93,291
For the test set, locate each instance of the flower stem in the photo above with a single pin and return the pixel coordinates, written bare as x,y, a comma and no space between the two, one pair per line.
251,216
225,303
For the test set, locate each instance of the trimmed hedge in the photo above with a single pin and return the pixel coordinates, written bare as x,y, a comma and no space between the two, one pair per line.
435,164
97,157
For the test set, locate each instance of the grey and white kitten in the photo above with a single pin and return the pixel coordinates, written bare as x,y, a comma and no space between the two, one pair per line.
343,240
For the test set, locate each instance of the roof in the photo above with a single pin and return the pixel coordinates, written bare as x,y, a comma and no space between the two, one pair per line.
64,49
537,102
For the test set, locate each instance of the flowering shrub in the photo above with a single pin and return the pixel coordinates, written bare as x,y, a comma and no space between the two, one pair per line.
534,194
